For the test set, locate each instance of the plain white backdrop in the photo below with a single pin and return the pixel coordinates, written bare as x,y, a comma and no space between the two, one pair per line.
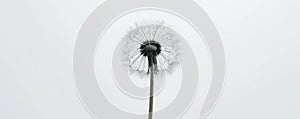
261,40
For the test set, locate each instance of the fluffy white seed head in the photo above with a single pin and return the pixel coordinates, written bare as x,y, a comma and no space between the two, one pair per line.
143,34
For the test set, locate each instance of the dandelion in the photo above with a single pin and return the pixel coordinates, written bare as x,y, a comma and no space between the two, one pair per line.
151,49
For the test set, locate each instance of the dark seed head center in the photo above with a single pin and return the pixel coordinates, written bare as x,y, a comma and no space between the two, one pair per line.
150,48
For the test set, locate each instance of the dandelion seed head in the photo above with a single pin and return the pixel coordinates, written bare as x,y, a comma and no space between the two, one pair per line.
157,39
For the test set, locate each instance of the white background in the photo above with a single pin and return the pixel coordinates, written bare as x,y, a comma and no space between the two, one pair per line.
261,40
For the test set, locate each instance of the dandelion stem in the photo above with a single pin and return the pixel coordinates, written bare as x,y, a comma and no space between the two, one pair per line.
151,92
